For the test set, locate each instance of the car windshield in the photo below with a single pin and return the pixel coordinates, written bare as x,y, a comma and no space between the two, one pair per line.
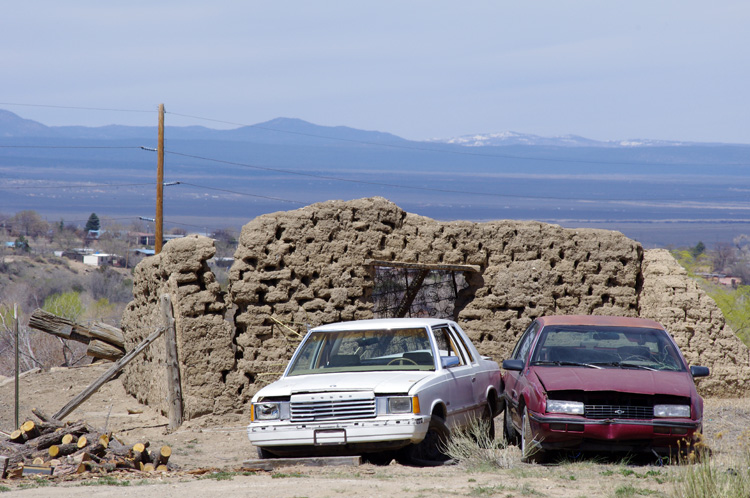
606,347
364,350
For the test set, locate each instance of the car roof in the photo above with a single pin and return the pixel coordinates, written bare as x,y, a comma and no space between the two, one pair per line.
604,321
382,323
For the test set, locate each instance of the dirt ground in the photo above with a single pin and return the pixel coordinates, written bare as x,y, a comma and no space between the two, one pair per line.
210,452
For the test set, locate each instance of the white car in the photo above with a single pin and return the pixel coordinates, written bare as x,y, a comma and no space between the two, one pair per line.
382,388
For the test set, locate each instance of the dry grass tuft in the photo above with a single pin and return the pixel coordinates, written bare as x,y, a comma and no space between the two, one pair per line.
474,450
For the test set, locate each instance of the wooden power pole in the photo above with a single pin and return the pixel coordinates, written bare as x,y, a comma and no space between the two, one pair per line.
159,223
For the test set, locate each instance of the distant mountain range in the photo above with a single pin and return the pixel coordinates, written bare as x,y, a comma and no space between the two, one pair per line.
290,130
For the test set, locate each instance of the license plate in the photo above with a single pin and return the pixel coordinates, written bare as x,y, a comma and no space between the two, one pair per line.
324,437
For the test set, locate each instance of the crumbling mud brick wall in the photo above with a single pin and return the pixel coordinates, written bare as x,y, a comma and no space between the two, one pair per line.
204,338
303,268
674,299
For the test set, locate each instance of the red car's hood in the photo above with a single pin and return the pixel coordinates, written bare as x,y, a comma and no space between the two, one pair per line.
615,379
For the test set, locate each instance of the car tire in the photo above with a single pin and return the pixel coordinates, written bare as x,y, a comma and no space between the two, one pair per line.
509,432
487,440
264,454
531,451
430,451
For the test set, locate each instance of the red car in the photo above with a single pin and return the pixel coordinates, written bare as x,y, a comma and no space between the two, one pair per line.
599,383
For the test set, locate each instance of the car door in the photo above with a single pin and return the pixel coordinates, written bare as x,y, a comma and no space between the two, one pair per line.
515,380
480,379
459,377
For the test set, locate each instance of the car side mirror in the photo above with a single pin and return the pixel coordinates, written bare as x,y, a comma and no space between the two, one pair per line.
697,371
449,361
516,365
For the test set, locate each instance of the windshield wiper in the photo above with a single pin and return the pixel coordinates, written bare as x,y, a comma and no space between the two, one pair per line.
625,364
566,364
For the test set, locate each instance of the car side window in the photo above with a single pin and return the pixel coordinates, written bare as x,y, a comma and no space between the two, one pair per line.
447,345
521,351
462,344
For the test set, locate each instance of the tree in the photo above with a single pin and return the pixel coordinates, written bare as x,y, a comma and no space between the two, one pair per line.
92,223
699,249
22,244
29,223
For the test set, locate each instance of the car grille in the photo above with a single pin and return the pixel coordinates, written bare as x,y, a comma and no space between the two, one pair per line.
332,406
618,411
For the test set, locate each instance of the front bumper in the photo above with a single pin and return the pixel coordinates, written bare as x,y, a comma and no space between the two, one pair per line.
563,432
391,432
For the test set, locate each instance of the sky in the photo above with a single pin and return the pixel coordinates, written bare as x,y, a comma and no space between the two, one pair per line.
605,70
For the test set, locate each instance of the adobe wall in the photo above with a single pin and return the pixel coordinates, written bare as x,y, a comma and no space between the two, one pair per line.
204,338
302,268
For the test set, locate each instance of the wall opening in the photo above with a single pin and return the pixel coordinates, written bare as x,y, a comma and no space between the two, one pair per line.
417,290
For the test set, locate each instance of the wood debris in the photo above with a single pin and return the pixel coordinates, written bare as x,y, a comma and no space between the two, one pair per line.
53,447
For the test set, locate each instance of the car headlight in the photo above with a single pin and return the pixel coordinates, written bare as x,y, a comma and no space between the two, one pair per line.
400,404
680,411
567,407
266,411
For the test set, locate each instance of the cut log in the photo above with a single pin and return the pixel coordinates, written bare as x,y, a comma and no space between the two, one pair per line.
82,442
164,453
108,375
58,450
148,467
17,436
38,461
104,440
140,453
104,351
162,468
30,429
69,438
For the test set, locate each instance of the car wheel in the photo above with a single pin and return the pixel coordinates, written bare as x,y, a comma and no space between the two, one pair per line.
487,436
531,451
509,432
264,454
430,451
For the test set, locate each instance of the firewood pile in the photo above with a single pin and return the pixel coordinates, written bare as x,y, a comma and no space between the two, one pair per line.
53,447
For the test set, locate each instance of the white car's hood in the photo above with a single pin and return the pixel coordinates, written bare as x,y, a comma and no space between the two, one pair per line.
378,382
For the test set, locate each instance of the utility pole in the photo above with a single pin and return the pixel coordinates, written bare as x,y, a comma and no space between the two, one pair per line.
159,224
15,326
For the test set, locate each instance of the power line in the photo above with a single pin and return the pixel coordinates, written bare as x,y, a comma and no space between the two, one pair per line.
243,193
69,147
80,185
76,107
393,185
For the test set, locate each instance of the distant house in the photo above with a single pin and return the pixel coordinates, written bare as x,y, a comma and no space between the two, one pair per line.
101,259
722,279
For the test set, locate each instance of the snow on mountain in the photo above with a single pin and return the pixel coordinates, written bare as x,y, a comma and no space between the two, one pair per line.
506,138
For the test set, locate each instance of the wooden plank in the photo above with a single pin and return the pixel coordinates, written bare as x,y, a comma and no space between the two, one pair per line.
274,463
104,350
67,329
104,332
422,266
51,323
174,386
107,376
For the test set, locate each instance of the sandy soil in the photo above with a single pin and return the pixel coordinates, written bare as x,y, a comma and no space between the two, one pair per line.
210,453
